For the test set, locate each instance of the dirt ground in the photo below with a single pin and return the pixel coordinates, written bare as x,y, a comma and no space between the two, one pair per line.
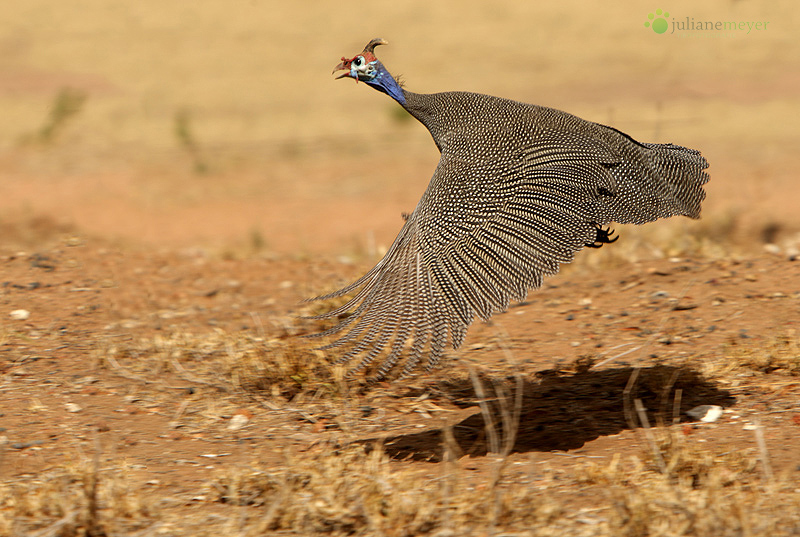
152,278
120,359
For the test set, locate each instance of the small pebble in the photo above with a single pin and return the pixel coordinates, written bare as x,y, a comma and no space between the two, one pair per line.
72,407
20,315
237,422
26,445
705,413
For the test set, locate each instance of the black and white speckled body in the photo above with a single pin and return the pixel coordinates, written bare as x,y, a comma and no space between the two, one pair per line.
519,189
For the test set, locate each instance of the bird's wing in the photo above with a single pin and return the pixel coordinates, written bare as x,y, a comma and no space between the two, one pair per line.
481,236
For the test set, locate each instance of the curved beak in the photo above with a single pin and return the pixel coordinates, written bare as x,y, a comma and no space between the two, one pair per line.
344,66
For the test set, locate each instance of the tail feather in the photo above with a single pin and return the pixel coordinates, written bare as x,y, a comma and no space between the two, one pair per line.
682,169
655,181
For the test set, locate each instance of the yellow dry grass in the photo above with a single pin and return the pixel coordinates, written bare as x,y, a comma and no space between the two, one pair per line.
674,486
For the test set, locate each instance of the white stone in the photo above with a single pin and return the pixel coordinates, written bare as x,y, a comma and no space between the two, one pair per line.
705,413
237,422
20,315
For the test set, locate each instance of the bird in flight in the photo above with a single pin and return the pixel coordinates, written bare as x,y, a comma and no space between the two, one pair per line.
519,189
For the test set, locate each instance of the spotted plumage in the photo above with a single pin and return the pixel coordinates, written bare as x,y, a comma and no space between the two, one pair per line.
519,189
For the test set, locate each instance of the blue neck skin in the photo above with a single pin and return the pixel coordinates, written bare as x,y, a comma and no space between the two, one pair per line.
383,81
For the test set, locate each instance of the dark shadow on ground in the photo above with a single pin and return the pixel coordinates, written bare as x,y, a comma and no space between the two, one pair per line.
562,411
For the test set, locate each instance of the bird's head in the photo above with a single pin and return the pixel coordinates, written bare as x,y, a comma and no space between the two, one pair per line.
366,68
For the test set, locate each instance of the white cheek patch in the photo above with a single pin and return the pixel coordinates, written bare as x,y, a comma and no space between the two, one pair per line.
369,71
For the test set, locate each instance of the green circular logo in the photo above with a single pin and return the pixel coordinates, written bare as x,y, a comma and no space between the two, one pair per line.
657,21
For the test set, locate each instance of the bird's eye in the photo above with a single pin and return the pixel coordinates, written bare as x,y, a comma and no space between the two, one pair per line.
358,61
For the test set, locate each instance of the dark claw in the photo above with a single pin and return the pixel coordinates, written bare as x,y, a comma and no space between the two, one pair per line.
603,237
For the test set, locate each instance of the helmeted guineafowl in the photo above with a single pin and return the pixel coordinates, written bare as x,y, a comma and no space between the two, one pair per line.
518,190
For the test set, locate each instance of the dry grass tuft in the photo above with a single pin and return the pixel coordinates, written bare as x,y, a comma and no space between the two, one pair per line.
355,490
284,369
780,355
748,363
700,493
77,500
358,491
280,367
694,467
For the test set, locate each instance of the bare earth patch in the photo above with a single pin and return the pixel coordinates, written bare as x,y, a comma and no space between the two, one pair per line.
175,385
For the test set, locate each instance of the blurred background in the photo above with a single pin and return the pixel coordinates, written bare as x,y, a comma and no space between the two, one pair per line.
218,125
